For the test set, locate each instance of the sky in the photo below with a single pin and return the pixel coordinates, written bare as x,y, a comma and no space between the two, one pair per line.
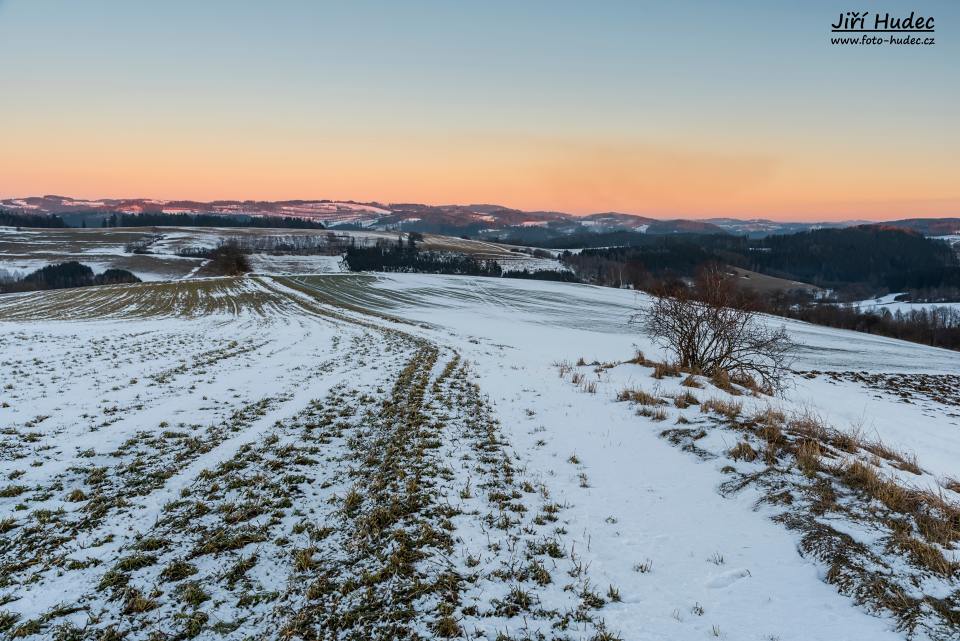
667,109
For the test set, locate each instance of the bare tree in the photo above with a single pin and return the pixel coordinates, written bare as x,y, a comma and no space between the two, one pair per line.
228,259
713,327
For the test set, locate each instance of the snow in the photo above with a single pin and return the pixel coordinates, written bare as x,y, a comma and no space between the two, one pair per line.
890,303
531,264
718,565
94,260
665,505
266,264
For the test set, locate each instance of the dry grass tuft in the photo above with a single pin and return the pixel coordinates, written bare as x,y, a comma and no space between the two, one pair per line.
658,414
769,416
721,380
923,554
686,399
808,454
746,381
662,370
743,451
691,381
729,409
638,396
951,484
809,425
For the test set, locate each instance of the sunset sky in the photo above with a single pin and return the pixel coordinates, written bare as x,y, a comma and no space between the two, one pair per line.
669,109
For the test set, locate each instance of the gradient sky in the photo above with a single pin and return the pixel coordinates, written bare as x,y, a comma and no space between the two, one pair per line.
667,109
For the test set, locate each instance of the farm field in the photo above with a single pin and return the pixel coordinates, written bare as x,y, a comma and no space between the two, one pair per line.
25,250
365,456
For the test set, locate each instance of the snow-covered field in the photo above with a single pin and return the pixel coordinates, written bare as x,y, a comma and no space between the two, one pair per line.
360,456
263,263
25,250
890,302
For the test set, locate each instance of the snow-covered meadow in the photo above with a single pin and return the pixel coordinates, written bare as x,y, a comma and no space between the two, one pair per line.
168,253
889,302
374,456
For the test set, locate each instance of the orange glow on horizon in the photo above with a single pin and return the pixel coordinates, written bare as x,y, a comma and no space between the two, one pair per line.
578,177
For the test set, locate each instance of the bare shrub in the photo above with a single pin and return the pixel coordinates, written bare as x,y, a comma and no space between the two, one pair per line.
712,327
229,259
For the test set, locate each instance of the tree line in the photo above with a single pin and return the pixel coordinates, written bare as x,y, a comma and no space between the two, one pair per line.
66,275
935,326
405,256
101,219
854,260
327,244
938,327
208,220
16,219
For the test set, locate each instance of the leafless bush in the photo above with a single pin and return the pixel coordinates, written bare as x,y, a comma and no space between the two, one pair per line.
229,259
712,328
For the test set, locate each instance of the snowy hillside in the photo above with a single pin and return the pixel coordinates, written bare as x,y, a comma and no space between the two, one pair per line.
360,456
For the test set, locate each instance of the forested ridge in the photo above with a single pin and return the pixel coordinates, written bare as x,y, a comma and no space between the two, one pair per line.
14,219
870,256
96,219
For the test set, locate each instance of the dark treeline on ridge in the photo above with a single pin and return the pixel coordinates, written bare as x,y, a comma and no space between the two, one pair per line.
400,256
855,259
558,275
405,256
98,219
14,219
208,220
66,275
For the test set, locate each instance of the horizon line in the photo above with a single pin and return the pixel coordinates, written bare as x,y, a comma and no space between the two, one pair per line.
691,217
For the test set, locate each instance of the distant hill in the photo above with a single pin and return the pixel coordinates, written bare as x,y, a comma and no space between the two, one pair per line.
760,227
478,220
929,226
483,221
